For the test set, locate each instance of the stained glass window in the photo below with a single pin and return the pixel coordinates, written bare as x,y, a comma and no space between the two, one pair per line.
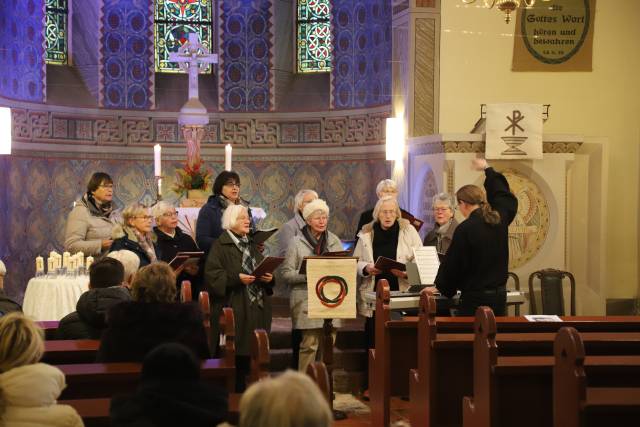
314,36
56,37
174,20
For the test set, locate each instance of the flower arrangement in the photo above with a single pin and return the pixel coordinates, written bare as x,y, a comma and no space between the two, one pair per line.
192,177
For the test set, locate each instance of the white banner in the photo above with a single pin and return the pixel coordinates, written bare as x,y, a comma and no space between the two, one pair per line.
331,284
514,131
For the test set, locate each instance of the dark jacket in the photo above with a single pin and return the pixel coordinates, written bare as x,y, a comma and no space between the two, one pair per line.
222,269
7,304
478,258
124,240
169,246
170,403
134,328
89,319
431,239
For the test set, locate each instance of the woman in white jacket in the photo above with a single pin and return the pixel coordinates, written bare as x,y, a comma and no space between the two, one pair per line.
28,389
388,235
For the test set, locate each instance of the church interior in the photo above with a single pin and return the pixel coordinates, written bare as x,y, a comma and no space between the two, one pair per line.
335,96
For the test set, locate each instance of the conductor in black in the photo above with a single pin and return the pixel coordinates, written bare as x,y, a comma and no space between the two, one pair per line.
478,259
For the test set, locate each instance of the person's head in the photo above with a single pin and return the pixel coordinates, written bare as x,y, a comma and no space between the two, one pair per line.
137,216
302,198
387,187
166,216
316,215
3,272
170,361
129,260
100,186
471,197
21,341
236,218
443,206
106,272
386,212
227,184
289,400
155,282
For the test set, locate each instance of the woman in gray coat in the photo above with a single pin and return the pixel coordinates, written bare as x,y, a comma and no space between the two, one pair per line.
231,260
315,239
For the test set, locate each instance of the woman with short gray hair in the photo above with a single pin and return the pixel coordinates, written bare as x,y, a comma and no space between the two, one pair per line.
385,188
134,234
440,235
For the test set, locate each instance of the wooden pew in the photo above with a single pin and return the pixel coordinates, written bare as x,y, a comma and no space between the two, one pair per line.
185,291
319,374
517,390
575,404
64,352
50,328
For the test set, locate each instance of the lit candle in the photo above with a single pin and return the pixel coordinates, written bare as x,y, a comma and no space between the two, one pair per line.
89,262
157,162
80,257
72,264
65,259
51,265
39,264
227,157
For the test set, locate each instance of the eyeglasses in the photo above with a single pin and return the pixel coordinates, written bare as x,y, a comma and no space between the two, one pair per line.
110,186
170,214
441,209
388,213
145,217
232,184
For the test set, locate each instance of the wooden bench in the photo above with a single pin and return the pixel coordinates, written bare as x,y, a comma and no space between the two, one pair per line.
574,403
50,328
517,390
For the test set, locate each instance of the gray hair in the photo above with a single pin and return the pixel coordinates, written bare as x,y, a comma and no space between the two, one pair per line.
386,185
230,216
129,260
443,198
132,211
160,209
297,201
378,207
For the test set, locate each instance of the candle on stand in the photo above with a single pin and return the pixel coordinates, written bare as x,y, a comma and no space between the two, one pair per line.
39,264
159,185
51,265
89,262
227,157
80,256
72,264
65,259
157,160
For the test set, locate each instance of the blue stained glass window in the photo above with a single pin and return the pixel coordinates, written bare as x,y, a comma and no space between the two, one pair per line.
174,20
314,36
55,32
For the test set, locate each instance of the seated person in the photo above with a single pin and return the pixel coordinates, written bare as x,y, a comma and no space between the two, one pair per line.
106,276
171,240
152,318
170,393
291,399
29,389
6,304
131,264
135,234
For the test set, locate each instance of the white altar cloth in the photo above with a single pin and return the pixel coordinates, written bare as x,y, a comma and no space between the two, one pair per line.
53,297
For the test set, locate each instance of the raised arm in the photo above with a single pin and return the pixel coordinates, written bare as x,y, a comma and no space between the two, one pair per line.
499,194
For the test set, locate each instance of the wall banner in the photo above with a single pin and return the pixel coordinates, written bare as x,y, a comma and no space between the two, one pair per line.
514,131
554,36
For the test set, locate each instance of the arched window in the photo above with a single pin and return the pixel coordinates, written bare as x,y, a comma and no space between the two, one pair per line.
55,32
314,36
174,20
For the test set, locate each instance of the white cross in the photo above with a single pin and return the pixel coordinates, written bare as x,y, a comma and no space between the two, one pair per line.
190,56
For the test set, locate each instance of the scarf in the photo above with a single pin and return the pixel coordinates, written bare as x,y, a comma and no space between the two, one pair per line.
385,243
96,208
440,232
256,294
146,244
319,245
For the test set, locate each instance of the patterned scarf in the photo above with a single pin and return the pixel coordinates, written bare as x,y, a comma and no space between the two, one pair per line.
319,245
256,294
97,209
146,244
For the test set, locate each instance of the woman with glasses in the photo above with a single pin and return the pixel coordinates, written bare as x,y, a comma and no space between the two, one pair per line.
170,240
226,192
135,234
445,224
92,218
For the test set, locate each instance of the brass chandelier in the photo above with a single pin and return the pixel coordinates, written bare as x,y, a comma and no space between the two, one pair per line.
505,6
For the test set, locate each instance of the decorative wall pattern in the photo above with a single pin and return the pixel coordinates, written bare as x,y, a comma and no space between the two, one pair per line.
361,73
425,102
358,128
38,206
126,50
246,52
22,50
85,50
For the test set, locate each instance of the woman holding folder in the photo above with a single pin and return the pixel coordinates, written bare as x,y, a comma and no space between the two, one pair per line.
229,280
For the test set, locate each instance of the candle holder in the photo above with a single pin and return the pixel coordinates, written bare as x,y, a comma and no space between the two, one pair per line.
158,184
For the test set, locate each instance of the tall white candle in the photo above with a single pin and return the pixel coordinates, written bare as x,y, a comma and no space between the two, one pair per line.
65,259
89,262
227,157
51,265
157,160
80,256
39,264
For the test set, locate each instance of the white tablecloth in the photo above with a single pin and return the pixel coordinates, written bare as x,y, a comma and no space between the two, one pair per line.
53,297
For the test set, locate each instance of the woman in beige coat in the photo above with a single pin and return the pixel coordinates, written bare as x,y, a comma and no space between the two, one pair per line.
28,389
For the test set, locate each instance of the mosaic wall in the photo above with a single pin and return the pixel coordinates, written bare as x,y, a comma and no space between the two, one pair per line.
246,55
85,50
22,50
43,190
126,49
361,74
